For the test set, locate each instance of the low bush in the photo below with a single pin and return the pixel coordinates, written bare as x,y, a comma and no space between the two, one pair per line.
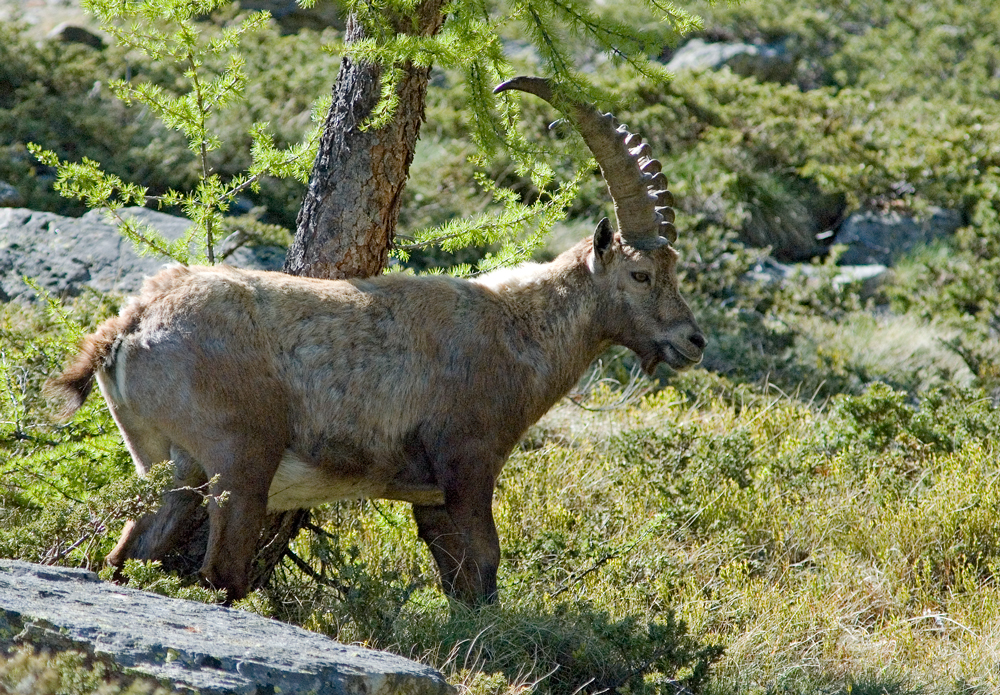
67,673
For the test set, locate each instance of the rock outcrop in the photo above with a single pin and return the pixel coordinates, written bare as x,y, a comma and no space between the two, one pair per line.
10,197
66,255
72,33
868,278
767,62
210,649
874,237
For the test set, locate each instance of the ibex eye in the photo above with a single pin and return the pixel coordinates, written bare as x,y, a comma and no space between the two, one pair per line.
640,277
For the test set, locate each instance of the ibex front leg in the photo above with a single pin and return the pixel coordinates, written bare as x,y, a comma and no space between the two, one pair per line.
462,537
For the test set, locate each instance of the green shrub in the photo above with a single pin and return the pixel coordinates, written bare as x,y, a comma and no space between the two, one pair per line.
65,488
56,94
67,673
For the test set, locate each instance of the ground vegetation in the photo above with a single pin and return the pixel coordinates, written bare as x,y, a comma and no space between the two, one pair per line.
814,510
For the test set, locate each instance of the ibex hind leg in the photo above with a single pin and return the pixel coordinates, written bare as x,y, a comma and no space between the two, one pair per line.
245,466
146,444
147,447
153,536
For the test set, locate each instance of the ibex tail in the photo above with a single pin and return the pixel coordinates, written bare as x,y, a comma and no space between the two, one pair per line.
75,383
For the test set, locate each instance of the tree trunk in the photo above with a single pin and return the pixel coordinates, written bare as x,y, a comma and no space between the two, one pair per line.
348,218
347,222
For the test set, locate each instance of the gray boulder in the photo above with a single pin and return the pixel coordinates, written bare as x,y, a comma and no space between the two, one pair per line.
72,33
871,277
881,238
208,649
768,62
40,16
66,255
868,278
10,197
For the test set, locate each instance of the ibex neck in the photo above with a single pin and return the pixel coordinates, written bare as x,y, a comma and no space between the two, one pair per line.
553,308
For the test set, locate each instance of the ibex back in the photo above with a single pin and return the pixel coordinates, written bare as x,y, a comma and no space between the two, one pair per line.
298,391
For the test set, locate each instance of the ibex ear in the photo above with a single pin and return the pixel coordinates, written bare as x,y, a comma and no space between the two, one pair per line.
604,236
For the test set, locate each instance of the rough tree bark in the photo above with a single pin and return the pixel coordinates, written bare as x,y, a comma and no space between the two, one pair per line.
348,218
347,222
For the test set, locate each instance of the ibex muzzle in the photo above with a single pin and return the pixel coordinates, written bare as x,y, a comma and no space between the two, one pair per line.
298,391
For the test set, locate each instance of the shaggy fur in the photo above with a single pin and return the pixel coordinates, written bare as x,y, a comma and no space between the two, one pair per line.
298,391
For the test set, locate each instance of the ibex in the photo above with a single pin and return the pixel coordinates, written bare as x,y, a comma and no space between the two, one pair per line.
297,391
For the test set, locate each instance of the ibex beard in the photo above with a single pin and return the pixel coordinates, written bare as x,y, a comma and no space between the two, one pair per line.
297,391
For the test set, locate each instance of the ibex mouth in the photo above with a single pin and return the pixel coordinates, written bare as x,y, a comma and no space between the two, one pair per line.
672,355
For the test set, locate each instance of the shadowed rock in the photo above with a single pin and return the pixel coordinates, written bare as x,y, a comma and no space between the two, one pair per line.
10,197
869,278
71,33
874,237
210,649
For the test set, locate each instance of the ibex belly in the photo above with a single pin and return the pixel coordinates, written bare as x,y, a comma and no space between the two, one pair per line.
299,485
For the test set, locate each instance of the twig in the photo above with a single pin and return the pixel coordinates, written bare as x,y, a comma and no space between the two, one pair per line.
314,575
634,390
609,556
593,568
144,239
385,517
941,618
319,531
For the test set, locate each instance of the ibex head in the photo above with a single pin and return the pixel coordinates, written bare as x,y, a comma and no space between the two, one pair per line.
635,268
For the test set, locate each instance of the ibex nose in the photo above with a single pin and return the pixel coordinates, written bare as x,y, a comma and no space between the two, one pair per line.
698,340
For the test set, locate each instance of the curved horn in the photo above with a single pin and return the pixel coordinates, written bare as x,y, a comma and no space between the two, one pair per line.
638,189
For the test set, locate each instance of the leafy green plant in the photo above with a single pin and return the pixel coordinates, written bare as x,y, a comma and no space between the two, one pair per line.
149,576
67,673
167,32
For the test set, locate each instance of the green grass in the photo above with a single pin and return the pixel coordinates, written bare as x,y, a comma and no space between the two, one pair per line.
824,549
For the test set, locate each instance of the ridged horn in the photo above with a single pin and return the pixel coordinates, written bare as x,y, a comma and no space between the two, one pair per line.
633,177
